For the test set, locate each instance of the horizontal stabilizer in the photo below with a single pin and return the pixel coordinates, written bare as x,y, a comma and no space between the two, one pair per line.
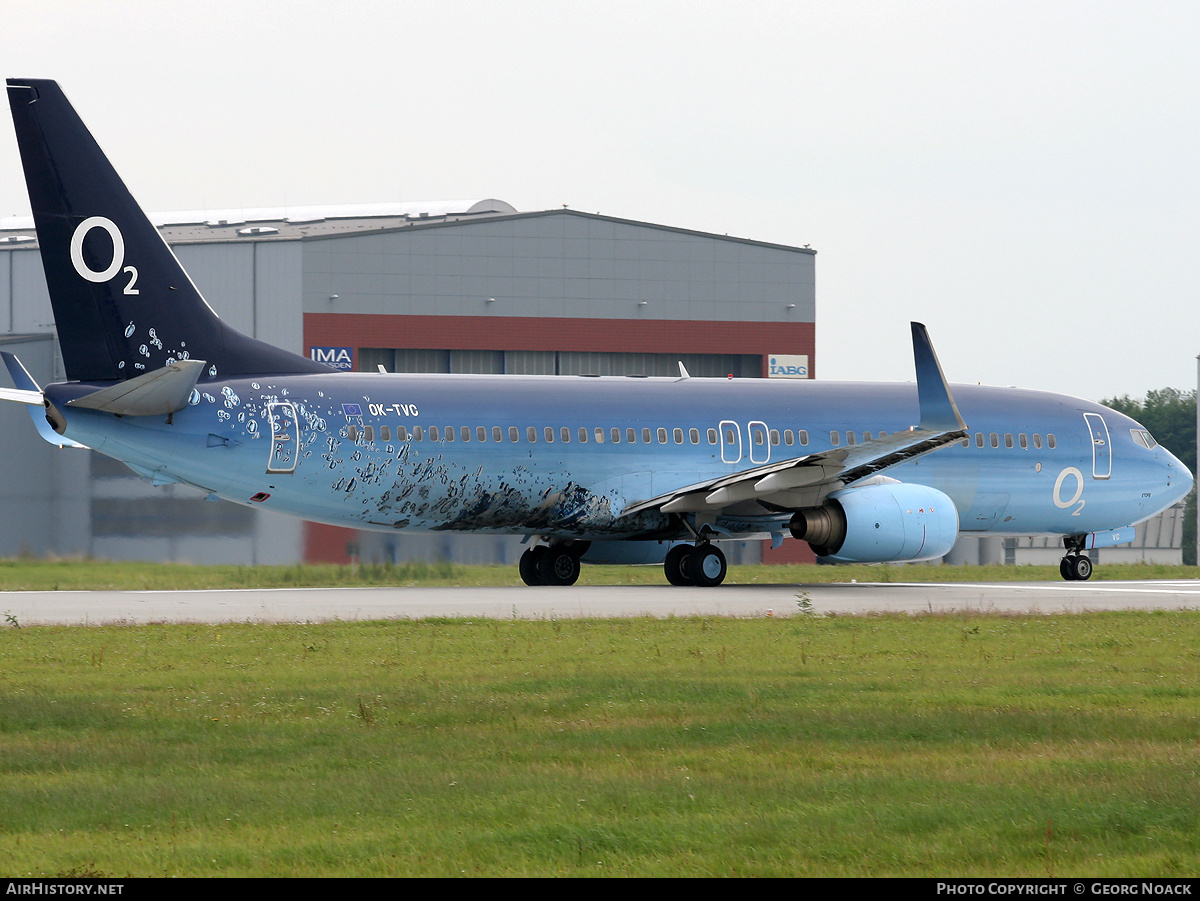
33,398
28,392
156,393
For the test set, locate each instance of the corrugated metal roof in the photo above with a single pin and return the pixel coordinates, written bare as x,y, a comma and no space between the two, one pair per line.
306,214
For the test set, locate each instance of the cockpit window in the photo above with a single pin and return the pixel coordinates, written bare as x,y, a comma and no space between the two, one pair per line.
1144,438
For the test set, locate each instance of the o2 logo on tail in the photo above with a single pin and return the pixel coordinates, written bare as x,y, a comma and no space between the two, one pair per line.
118,257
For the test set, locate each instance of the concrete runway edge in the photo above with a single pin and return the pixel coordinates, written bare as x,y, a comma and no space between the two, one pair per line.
329,604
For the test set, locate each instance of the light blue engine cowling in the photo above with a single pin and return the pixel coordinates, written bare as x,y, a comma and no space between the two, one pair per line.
880,523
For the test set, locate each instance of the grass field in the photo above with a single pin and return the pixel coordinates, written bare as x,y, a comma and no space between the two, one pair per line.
837,745
56,575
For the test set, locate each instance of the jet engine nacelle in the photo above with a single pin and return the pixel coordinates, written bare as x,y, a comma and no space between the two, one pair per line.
879,524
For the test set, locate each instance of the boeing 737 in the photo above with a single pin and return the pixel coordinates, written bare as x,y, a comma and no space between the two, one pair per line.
648,470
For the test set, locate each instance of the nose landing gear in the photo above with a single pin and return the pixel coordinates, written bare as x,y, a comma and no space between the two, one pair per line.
1076,566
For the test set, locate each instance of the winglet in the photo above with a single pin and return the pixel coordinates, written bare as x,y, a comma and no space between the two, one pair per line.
939,412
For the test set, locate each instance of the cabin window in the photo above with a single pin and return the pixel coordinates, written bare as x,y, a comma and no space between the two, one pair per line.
385,434
1050,442
694,435
369,432
434,433
513,434
352,433
1023,440
531,434
548,431
480,433
464,432
631,435
712,437
788,438
645,436
966,442
1008,441
401,433
835,439
418,433
677,434
802,437
995,439
449,433
615,435
758,437
979,439
850,438
731,437
599,435
774,437
1037,440
582,435
866,436
662,436
565,434
497,433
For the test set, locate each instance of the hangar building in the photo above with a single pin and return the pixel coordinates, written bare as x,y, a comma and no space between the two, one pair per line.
470,286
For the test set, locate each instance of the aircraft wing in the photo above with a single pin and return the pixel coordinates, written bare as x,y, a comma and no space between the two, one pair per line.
805,481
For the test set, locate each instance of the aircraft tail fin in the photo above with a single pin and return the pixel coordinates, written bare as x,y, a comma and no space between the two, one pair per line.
123,305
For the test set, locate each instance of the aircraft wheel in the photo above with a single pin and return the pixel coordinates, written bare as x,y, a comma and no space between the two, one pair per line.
1064,569
558,566
706,566
528,565
674,565
1081,567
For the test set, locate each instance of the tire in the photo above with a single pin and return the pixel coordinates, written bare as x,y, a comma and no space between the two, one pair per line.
1081,568
558,566
1064,569
528,565
674,565
706,566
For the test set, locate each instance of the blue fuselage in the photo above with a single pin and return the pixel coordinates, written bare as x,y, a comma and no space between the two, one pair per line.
564,456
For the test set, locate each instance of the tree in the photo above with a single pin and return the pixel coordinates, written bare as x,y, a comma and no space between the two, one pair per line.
1170,416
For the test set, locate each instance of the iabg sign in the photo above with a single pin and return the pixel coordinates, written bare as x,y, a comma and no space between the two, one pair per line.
787,366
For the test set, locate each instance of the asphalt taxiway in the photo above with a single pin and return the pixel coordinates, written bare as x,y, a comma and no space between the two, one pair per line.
321,604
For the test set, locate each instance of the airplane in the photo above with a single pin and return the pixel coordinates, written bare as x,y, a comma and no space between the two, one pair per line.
589,469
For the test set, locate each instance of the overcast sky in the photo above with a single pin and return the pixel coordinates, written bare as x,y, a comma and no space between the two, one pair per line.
1021,176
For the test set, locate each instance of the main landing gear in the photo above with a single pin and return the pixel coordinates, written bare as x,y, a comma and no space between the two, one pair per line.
703,565
554,564
1076,566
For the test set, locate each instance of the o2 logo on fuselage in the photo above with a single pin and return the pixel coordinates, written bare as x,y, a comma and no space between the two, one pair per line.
118,255
1076,498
